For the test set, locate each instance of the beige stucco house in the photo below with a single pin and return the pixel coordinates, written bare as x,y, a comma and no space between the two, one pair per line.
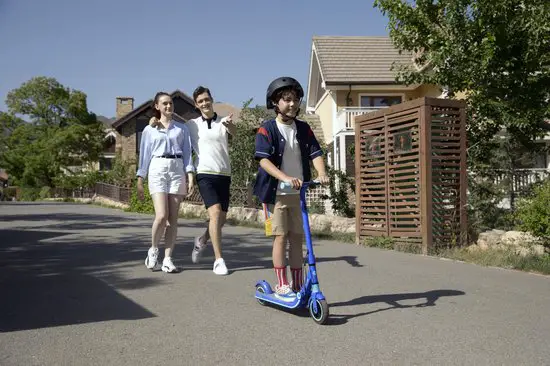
349,76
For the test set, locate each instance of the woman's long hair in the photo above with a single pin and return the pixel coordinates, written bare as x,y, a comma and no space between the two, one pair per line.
156,112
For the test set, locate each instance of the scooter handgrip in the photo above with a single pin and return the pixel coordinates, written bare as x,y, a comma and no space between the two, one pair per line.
285,185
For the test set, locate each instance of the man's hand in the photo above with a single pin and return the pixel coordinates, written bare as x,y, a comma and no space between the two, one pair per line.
140,189
228,123
154,122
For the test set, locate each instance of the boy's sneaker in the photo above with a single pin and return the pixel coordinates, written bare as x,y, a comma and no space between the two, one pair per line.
198,248
168,266
285,293
219,267
152,258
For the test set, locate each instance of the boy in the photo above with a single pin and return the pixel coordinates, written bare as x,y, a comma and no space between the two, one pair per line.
284,147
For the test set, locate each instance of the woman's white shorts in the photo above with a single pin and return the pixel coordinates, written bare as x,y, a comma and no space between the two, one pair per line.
167,176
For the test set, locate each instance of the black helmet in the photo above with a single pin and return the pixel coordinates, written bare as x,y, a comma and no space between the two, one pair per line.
280,83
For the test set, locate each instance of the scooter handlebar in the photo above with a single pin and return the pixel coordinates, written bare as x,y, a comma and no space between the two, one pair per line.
305,185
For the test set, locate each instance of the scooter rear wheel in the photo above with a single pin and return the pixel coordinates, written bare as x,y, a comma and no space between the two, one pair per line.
319,315
262,290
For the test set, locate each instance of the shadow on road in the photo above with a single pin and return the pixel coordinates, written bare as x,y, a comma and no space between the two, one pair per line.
46,282
66,268
428,298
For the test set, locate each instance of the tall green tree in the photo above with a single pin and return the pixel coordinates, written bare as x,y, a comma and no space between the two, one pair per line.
498,51
59,133
241,150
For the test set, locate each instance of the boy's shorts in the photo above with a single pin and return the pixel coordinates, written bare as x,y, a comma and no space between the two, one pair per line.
286,215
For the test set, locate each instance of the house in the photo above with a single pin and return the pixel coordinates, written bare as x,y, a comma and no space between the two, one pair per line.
352,75
130,122
349,76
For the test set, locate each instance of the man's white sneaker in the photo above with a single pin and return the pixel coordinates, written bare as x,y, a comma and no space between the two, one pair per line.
220,268
198,248
168,266
152,258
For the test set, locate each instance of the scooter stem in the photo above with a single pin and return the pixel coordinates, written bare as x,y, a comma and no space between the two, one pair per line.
307,230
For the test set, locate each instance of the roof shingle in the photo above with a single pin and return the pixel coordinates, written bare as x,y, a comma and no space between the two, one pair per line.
358,59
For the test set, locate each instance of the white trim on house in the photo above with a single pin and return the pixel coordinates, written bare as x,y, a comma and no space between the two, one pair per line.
312,90
333,125
325,94
111,133
343,148
384,94
309,77
367,87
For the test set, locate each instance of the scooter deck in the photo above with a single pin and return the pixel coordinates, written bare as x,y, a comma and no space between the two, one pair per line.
274,299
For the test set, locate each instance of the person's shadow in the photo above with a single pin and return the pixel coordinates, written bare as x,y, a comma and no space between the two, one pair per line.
429,297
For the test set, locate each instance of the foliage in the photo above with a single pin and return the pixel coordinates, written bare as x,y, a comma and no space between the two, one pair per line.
383,242
122,172
45,192
340,186
494,180
29,194
316,208
241,150
61,134
145,206
496,51
533,213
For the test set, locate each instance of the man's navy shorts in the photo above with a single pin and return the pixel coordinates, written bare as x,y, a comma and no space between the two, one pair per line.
214,189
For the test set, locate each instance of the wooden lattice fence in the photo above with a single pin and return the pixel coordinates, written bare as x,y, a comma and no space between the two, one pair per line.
410,168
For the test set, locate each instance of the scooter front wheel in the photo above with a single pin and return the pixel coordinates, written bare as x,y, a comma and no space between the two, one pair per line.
318,310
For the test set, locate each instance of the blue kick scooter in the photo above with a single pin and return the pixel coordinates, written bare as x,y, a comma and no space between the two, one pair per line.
310,294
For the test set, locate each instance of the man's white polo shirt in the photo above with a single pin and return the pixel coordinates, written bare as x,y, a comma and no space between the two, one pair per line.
210,143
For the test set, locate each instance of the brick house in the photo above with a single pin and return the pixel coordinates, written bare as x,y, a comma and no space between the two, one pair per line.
130,121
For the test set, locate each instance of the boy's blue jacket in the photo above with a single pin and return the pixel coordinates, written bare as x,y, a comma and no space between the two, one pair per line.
270,144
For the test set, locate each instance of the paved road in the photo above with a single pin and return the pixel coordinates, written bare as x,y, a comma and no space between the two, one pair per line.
74,291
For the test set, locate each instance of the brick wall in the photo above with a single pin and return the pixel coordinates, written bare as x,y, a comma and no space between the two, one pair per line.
126,141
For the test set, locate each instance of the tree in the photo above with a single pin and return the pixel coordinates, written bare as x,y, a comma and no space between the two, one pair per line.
60,133
241,151
497,51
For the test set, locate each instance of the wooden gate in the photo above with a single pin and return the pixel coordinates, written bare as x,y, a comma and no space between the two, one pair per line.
410,170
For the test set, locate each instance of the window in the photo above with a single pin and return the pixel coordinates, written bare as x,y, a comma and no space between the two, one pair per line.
379,101
105,164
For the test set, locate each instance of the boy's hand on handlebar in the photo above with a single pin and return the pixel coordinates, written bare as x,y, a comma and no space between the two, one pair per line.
294,182
323,179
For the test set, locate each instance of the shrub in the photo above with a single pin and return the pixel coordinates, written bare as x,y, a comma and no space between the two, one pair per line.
145,206
45,192
533,213
29,194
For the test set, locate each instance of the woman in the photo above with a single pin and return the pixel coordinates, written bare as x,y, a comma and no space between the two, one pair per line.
165,156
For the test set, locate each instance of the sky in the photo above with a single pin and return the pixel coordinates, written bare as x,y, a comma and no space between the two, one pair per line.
110,48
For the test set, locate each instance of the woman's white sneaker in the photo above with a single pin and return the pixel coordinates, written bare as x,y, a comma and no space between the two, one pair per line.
220,268
168,266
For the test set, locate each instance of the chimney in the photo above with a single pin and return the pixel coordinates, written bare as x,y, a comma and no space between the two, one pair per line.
124,105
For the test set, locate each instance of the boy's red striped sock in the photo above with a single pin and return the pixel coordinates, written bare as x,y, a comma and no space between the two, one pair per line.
281,275
297,279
